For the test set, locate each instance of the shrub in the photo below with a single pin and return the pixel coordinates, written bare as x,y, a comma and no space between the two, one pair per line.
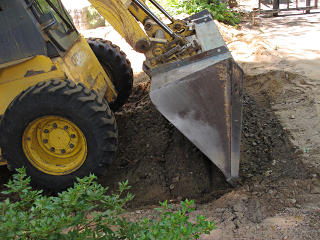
87,212
219,10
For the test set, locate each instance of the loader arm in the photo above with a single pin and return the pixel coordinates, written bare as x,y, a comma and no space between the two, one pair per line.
117,14
195,83
161,43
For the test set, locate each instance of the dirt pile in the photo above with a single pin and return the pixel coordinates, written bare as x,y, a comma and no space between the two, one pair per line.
277,195
160,163
266,148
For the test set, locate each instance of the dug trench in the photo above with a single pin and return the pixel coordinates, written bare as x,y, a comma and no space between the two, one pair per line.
161,164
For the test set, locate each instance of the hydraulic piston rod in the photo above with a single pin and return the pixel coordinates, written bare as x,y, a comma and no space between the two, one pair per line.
155,18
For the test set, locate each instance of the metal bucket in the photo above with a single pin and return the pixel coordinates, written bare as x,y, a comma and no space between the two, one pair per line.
202,97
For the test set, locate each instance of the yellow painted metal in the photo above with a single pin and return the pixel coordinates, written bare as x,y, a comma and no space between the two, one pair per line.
117,14
137,12
2,161
16,78
81,65
124,16
54,145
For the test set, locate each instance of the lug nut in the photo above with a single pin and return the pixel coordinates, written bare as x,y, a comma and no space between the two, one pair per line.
55,125
45,140
63,151
52,149
28,138
46,131
73,136
71,145
65,127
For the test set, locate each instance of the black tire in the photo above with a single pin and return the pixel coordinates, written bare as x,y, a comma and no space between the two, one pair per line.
76,103
117,67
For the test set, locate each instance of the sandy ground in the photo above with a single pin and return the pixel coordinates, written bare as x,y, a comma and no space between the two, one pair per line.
281,60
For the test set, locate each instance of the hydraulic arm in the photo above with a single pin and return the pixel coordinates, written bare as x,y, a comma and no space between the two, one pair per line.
161,43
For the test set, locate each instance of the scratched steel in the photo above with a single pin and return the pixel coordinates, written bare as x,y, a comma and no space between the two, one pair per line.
202,97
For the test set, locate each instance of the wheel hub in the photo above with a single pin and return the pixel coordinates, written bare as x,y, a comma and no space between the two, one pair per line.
59,139
54,145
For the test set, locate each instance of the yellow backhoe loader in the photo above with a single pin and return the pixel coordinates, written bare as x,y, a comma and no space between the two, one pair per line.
59,90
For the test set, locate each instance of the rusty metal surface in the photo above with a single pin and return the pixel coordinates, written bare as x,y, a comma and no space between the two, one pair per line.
202,97
236,119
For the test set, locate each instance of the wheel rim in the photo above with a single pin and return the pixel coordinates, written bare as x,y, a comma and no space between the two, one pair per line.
54,145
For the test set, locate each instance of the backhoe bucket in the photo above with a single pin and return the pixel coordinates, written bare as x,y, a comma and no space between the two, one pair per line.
202,97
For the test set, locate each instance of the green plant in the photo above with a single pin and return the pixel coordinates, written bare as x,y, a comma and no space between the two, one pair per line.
86,212
219,10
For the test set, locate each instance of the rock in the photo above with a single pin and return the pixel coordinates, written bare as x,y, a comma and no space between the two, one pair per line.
292,200
315,189
268,173
175,179
292,117
171,186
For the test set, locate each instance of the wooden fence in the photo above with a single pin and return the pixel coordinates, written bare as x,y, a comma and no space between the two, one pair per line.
277,6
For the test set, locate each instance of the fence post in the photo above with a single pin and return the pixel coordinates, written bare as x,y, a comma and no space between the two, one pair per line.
259,6
276,5
308,5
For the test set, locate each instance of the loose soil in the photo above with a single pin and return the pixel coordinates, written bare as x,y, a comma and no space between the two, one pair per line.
160,163
278,196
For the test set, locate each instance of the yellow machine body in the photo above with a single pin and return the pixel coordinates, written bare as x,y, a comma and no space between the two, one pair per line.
79,64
